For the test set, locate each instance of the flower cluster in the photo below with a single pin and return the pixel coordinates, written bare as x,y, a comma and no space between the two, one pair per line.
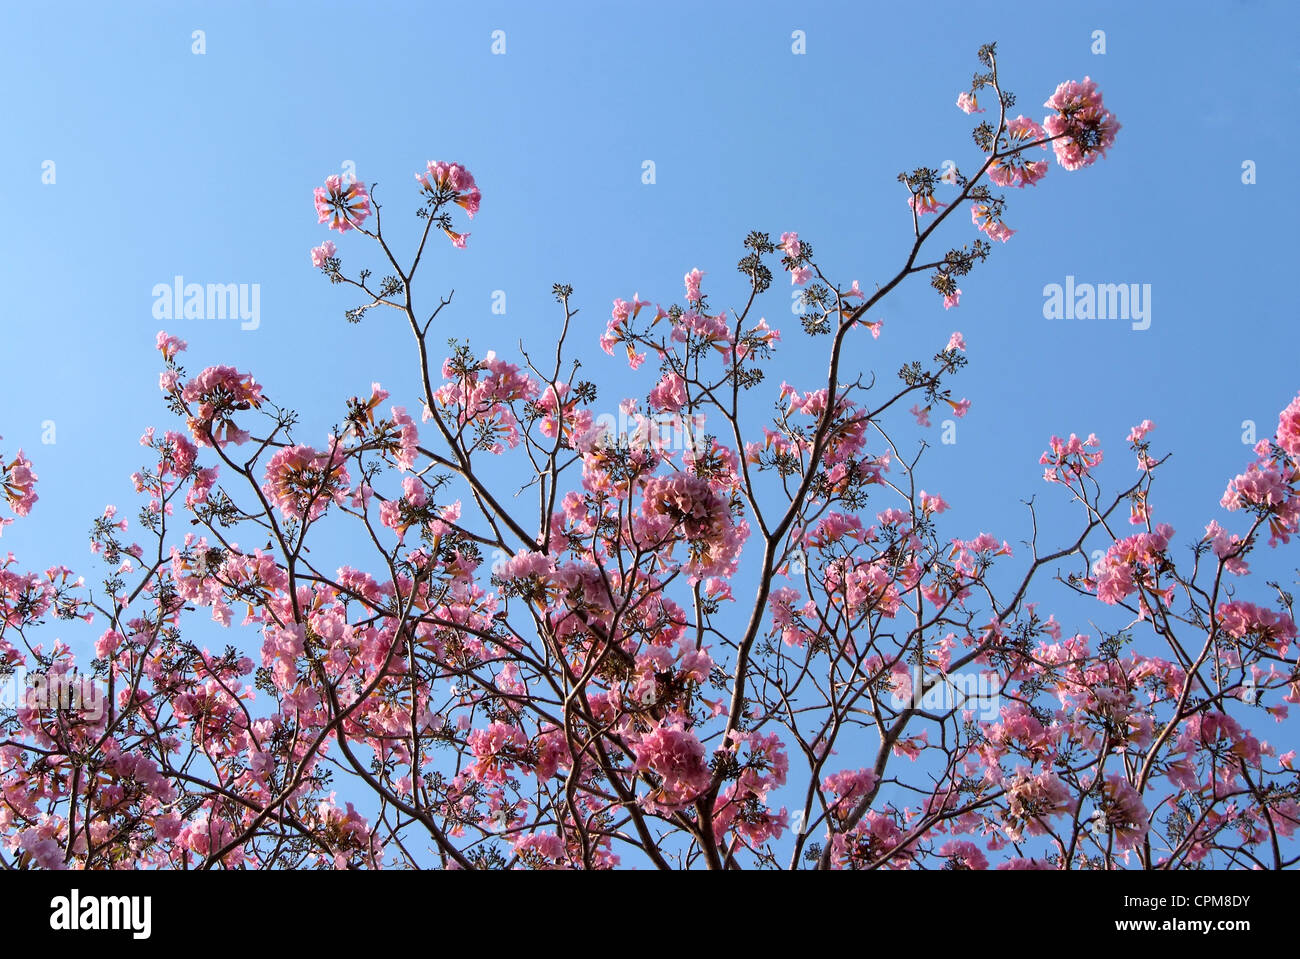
302,482
19,485
1082,128
685,505
344,204
451,181
1011,169
675,757
219,393
482,393
1072,459
1133,562
984,216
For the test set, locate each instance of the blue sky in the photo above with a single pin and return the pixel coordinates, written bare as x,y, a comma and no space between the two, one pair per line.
169,163
172,163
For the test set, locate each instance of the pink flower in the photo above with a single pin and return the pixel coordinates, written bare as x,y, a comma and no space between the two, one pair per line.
1012,169
407,445
45,851
1224,545
450,177
669,393
951,299
486,400
204,480
1288,429
469,202
835,527
923,203
686,506
495,750
932,504
676,758
718,589
1139,432
998,231
342,206
1130,563
1070,458
220,392
1082,124
178,455
525,564
1241,619
800,275
108,644
964,855
302,482
956,342
848,787
18,483
922,415
1032,800
446,515
1270,490
617,331
791,245
414,491
709,329
169,345
984,218
968,103
320,254
1139,510
1125,812
543,846
689,502
451,180
1259,486
693,286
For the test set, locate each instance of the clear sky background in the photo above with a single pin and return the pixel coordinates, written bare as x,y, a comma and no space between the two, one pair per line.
168,163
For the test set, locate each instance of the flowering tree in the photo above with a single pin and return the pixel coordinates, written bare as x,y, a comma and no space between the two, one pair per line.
738,648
